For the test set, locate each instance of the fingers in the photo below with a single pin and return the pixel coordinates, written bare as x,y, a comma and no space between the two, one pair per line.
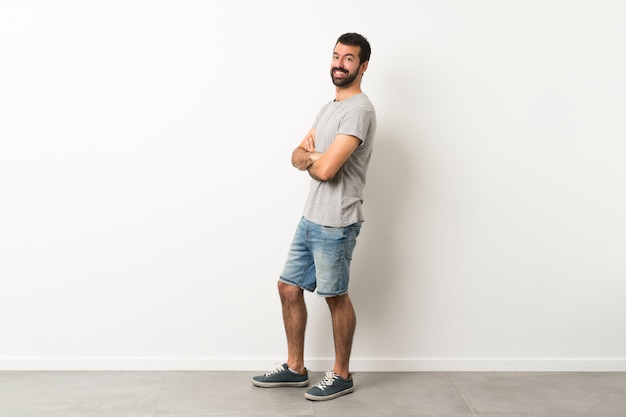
310,143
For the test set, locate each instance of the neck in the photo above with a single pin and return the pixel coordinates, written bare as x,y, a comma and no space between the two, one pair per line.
342,93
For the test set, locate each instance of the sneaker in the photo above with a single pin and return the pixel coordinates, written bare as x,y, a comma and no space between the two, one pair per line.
281,376
331,386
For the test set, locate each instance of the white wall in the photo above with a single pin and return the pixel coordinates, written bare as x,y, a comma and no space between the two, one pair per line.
147,199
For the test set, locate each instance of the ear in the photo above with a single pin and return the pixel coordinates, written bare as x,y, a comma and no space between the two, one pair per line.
364,66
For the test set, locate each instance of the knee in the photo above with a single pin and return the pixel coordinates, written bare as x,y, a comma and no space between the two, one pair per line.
339,302
289,293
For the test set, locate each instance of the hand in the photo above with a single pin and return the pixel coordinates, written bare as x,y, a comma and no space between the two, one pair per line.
304,155
308,142
314,156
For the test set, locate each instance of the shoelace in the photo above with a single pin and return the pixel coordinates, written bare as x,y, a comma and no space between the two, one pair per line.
278,367
328,380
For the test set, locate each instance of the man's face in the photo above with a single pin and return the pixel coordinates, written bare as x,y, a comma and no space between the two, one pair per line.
344,67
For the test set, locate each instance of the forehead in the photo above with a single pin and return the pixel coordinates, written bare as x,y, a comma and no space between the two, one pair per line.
341,49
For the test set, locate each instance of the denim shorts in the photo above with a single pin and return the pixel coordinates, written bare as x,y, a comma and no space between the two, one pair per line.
319,257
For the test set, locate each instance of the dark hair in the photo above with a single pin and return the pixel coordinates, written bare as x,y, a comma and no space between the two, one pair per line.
354,39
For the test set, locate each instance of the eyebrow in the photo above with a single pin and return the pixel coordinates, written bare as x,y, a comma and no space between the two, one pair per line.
335,53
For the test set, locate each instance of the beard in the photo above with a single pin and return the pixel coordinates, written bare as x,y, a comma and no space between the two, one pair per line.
342,82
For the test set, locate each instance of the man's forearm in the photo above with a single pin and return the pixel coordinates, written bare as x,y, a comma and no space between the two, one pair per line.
313,173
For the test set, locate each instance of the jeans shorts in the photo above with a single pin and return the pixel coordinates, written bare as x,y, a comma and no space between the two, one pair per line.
319,257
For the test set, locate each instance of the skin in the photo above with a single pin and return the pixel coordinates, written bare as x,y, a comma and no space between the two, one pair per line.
323,167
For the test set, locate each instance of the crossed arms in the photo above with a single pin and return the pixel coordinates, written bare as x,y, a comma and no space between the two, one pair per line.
323,166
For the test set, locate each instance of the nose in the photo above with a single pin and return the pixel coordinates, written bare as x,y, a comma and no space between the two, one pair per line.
338,63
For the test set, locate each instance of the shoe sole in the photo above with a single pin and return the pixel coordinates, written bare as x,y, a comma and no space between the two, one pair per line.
298,384
328,397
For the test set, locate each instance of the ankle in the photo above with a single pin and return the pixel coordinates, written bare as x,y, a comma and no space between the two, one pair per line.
343,374
298,369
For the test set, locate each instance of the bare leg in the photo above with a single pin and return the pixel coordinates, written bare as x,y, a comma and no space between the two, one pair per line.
344,323
294,318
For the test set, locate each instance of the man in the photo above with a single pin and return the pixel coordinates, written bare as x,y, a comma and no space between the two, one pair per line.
336,153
